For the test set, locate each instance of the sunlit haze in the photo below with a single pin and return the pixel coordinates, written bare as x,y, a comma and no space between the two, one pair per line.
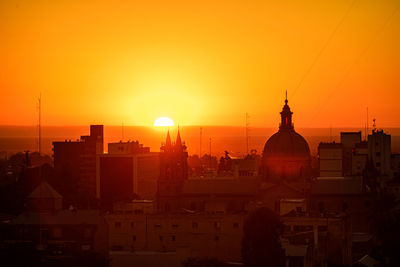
200,63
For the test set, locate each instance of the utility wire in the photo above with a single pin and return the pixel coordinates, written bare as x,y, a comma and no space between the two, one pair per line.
323,48
349,70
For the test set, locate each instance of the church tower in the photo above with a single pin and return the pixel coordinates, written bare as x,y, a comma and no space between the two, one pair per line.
286,155
286,117
173,173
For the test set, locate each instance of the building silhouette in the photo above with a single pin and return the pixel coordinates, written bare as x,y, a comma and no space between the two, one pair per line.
75,165
173,174
128,171
286,154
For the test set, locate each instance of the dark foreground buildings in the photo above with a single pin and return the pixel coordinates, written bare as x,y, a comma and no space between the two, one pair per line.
151,212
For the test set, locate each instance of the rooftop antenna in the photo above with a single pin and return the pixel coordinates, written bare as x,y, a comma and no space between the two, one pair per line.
366,127
247,133
366,133
374,124
201,136
210,153
122,131
40,125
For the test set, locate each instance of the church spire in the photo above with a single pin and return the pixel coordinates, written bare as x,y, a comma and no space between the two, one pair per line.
168,144
286,116
178,143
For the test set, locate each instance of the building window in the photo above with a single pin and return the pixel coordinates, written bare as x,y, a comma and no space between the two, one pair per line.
117,224
88,233
116,248
303,228
378,164
134,238
57,232
217,225
132,224
138,211
161,238
175,226
378,154
157,226
345,206
216,238
195,225
235,225
321,207
173,238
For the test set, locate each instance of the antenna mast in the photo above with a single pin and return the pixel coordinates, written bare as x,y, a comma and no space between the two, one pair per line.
40,125
247,133
366,134
122,131
201,136
210,153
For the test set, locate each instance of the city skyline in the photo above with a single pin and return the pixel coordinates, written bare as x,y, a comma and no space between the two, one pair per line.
199,133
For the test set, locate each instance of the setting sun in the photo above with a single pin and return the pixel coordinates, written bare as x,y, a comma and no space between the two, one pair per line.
163,121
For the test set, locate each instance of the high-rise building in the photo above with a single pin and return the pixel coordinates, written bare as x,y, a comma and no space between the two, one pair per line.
349,141
379,151
75,163
330,159
359,158
128,171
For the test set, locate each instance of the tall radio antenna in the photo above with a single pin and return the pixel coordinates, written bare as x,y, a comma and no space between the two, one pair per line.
366,134
201,137
122,131
247,133
40,124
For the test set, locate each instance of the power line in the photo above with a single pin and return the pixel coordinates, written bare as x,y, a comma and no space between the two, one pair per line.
323,48
349,70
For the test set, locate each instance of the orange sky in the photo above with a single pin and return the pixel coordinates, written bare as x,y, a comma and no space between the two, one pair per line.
200,62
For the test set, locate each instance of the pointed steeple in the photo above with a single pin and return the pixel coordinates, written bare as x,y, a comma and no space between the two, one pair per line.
178,143
168,144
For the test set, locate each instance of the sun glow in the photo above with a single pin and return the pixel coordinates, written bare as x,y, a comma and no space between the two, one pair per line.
163,121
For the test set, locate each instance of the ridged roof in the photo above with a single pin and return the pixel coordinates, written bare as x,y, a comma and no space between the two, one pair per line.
44,190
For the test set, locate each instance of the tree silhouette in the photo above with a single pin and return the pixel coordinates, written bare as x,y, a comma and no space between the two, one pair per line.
261,244
203,262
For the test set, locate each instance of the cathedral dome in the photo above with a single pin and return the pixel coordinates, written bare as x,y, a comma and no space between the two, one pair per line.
286,153
286,143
